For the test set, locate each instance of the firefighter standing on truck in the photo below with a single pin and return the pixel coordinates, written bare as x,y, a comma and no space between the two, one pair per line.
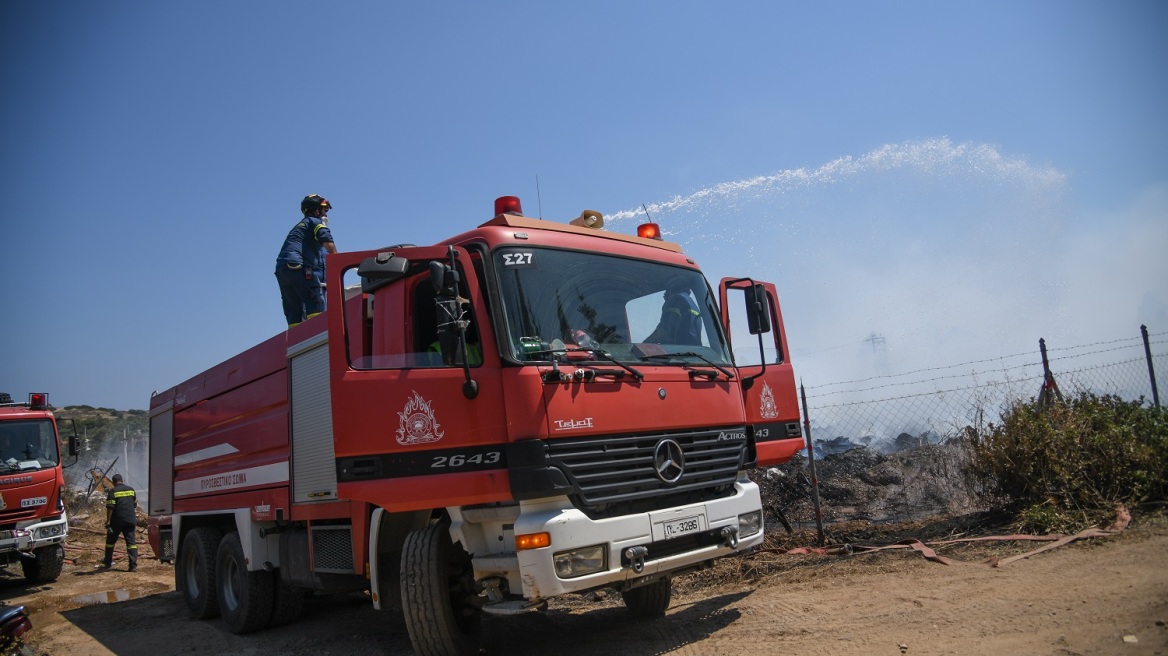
120,519
300,264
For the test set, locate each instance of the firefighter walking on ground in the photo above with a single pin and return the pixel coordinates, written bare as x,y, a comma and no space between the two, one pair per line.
300,264
120,519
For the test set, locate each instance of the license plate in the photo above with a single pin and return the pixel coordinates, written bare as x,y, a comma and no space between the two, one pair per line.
684,526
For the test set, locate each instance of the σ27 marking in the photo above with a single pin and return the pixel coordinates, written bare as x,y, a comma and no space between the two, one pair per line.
458,460
518,259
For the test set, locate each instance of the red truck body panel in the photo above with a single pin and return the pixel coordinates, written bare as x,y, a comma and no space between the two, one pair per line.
231,427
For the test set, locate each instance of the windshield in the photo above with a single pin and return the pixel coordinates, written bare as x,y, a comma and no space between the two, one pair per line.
30,444
631,309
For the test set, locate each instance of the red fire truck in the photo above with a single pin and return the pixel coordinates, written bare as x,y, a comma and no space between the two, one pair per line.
33,525
475,427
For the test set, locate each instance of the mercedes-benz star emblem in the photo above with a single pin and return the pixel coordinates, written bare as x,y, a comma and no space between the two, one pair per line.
669,461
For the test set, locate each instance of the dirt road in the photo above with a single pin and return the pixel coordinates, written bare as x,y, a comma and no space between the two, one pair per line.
1105,596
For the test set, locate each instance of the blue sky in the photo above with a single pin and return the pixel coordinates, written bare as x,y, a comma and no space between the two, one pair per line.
961,179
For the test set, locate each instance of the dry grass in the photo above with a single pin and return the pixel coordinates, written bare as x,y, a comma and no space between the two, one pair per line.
771,563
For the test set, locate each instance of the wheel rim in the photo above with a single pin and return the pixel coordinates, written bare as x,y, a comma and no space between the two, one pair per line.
193,569
229,571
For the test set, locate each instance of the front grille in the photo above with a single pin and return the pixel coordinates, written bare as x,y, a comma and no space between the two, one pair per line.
615,474
14,515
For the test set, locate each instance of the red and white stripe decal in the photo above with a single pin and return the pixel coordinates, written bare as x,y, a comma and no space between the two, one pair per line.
205,454
277,472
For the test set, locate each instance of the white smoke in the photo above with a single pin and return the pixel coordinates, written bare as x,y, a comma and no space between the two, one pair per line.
950,252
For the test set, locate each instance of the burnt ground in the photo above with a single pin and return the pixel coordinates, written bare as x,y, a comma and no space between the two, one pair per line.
1096,596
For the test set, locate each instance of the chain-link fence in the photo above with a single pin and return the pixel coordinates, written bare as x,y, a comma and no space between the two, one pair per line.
912,426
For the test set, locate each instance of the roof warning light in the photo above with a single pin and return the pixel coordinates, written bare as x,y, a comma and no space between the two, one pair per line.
508,205
649,231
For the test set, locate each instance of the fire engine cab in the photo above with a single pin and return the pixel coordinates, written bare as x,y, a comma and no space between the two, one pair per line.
527,409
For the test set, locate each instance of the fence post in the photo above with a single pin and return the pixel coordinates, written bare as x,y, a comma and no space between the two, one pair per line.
1151,369
1050,390
811,466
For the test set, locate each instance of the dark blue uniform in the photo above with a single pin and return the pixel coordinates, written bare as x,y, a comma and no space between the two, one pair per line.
684,320
121,501
681,322
300,269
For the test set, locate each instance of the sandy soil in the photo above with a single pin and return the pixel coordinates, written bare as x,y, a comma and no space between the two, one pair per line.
1099,596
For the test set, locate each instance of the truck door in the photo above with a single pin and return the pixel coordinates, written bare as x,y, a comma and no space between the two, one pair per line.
418,420
759,343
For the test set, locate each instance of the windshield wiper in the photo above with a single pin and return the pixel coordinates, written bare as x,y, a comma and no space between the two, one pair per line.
689,354
603,355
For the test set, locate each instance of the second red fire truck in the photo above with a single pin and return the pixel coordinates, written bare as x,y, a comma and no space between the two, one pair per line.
33,521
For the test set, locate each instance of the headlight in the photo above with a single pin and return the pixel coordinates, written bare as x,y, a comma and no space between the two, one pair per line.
750,523
578,562
49,531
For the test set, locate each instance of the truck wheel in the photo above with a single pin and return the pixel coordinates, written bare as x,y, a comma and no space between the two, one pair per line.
46,567
649,600
287,602
245,598
194,572
441,608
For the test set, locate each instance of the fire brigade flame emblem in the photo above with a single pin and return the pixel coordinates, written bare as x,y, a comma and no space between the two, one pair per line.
416,423
768,409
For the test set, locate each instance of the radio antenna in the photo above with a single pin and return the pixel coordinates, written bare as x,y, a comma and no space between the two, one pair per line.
646,212
538,199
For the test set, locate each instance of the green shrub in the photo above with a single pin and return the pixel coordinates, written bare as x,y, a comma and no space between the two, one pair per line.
1069,464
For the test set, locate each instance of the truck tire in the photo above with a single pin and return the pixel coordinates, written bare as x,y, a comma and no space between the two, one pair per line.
245,598
46,567
649,600
194,572
287,602
438,594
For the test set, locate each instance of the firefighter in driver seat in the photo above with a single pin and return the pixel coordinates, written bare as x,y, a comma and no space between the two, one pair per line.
681,321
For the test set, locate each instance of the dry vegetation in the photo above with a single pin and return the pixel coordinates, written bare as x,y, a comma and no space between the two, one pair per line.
933,493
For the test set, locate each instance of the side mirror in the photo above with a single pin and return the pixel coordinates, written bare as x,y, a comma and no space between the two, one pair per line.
380,270
74,442
758,315
444,279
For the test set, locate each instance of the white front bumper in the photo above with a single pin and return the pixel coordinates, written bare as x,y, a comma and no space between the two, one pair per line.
27,537
532,572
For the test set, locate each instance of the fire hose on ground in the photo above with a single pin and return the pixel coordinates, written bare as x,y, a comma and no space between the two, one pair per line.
1123,518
